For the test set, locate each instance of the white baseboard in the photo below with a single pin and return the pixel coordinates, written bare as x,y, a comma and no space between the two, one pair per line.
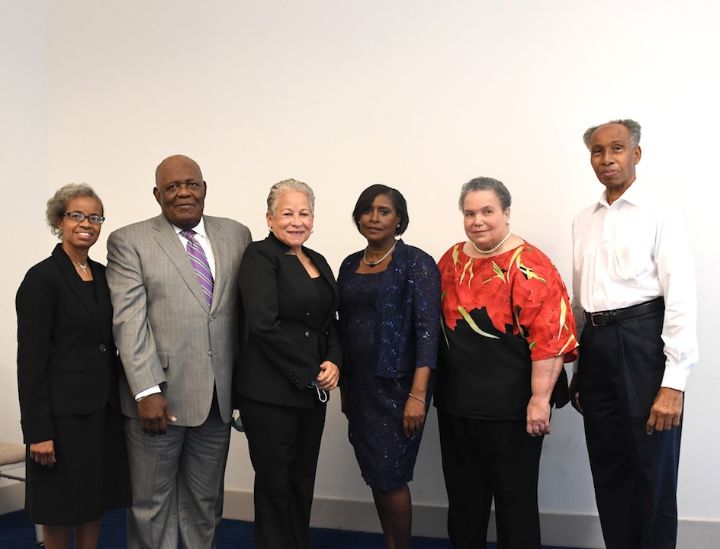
565,530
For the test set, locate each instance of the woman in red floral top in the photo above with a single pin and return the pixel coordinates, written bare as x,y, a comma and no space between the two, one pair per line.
508,329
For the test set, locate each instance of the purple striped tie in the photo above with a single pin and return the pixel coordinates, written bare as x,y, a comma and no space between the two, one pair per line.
200,264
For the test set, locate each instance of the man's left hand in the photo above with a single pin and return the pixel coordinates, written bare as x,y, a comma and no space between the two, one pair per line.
666,410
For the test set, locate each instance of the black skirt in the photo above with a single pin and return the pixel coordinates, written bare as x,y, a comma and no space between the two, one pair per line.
90,475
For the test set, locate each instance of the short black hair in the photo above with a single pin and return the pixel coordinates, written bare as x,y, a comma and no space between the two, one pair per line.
364,202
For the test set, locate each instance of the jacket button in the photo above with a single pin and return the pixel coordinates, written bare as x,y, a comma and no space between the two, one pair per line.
307,315
102,348
307,335
210,354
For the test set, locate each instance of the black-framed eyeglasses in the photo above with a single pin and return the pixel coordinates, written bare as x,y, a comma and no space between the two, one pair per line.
79,217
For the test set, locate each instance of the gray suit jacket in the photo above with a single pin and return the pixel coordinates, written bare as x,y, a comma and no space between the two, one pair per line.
163,329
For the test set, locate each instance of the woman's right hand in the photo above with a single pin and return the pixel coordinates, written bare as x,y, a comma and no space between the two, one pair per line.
43,452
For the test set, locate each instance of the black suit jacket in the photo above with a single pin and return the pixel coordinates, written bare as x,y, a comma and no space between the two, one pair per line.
66,359
284,346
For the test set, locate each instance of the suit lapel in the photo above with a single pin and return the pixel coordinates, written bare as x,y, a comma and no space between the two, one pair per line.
219,245
104,306
75,283
170,244
302,277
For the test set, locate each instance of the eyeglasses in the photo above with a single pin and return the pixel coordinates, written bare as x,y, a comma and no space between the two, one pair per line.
79,217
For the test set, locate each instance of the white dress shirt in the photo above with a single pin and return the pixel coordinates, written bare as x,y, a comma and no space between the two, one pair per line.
630,252
202,239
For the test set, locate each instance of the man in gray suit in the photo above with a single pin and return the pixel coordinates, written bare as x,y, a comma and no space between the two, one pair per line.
176,322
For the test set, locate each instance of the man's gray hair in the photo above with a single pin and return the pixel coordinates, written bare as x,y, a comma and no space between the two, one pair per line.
632,126
289,185
486,184
58,202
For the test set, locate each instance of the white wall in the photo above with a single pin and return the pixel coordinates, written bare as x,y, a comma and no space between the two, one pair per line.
23,157
417,94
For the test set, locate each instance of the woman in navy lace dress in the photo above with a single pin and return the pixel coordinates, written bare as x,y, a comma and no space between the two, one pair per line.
390,320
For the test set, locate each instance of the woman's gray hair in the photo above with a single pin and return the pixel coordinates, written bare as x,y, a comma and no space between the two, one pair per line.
289,185
58,202
486,184
632,127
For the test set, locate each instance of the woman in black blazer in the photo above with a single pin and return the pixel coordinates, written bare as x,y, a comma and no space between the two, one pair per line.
289,363
67,380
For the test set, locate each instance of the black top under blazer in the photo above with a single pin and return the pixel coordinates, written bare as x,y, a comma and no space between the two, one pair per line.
285,345
66,359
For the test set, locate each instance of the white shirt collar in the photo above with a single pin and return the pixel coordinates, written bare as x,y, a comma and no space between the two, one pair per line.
199,229
635,194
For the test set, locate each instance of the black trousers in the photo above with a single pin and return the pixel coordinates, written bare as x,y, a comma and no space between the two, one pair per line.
284,444
483,460
635,475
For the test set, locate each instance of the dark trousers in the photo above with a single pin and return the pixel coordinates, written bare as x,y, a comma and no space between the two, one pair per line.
483,460
635,474
284,444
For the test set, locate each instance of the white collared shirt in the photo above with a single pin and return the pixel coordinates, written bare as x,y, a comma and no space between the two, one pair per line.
202,239
630,252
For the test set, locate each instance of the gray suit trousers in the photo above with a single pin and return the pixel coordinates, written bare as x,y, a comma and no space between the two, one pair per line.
177,481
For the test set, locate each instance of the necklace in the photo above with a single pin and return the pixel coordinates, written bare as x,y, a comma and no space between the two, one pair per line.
378,261
82,267
494,248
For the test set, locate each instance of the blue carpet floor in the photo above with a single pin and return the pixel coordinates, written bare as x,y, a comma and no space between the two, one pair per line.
16,532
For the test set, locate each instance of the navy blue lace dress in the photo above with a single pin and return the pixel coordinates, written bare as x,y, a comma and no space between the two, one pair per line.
389,325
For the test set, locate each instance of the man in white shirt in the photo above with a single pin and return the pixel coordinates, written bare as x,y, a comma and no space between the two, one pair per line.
176,320
634,296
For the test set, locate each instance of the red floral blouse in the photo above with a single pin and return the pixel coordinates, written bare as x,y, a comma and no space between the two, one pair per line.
499,314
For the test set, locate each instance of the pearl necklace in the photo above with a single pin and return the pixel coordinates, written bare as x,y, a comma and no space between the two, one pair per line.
494,248
377,262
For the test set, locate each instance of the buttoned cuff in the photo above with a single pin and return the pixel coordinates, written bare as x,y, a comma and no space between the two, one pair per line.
675,377
147,392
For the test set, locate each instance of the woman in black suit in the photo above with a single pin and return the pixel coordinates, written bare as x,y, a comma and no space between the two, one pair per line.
67,380
288,364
